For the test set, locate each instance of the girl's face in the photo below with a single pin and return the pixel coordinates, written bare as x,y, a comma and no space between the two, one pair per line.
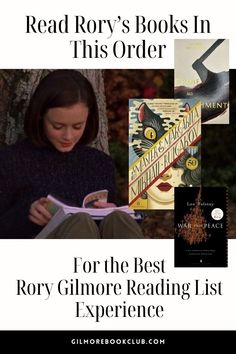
64,126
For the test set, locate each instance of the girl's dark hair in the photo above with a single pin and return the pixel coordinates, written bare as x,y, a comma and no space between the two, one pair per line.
61,88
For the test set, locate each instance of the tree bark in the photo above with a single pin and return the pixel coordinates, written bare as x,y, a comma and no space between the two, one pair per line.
16,88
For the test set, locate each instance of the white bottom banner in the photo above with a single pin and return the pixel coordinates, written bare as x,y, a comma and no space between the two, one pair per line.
111,285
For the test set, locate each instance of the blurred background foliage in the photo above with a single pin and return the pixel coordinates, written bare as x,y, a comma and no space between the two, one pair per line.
218,141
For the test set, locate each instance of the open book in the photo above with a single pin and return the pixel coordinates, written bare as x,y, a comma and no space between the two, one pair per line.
61,211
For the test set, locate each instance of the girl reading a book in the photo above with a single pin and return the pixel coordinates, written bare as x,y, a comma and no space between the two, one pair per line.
54,158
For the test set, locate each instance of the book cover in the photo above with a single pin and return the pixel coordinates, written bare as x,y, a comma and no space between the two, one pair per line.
164,150
201,227
202,73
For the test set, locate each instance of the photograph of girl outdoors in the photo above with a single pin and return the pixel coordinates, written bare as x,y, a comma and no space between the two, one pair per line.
61,120
65,132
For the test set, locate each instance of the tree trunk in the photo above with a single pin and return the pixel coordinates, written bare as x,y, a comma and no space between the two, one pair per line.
16,88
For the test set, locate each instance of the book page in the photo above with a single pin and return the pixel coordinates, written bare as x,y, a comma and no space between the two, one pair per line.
100,196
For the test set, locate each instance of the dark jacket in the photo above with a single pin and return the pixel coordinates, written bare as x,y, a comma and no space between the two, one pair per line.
28,173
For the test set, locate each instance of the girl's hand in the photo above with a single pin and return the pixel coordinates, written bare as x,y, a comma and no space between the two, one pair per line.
104,205
38,212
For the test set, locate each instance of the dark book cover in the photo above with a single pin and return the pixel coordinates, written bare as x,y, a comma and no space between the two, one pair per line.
201,227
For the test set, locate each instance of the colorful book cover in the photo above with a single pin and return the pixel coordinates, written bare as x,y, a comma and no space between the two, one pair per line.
164,150
202,73
201,227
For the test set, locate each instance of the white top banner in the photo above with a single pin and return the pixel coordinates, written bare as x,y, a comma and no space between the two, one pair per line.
97,35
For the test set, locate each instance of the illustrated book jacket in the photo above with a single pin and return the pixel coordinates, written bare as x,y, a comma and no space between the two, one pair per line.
202,73
164,150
